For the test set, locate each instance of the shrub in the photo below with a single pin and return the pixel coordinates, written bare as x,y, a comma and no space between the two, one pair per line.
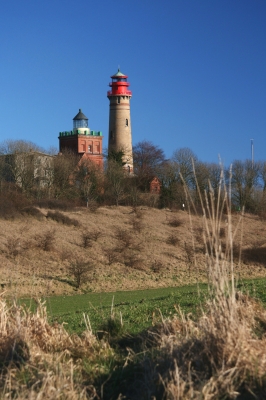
174,222
79,269
189,251
95,234
133,261
13,246
124,237
87,237
33,211
46,240
112,255
172,239
61,218
12,200
137,225
92,205
156,266
86,240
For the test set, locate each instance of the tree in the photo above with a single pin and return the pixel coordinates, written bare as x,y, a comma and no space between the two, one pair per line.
245,175
172,191
115,182
25,165
262,173
18,146
147,160
185,160
64,181
79,269
117,157
89,179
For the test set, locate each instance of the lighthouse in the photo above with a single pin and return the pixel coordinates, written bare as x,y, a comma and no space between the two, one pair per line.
83,141
120,138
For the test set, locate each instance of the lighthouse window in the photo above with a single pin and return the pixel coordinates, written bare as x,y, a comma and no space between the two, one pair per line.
118,100
126,122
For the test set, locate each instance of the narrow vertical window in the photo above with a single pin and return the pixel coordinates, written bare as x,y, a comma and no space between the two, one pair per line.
126,122
118,100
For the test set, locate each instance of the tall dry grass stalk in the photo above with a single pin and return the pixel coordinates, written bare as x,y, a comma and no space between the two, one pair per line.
223,354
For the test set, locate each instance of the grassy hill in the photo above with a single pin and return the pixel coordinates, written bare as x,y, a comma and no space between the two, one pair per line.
43,252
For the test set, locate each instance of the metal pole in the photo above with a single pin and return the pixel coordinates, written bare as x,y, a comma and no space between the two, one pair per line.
252,153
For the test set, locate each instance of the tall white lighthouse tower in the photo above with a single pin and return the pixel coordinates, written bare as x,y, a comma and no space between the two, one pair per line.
120,138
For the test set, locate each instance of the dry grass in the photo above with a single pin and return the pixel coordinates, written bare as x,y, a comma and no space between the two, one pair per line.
106,236
222,354
41,361
219,355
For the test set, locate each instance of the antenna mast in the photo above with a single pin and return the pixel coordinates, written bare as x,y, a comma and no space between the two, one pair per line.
252,153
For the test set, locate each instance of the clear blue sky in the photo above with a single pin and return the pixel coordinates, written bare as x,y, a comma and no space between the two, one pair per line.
197,70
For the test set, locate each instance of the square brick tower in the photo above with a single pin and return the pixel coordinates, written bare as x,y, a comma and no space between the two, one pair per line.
83,141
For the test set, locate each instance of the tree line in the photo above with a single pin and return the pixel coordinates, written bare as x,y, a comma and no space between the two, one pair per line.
28,171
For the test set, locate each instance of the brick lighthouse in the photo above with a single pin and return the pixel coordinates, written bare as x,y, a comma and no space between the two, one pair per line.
82,140
120,138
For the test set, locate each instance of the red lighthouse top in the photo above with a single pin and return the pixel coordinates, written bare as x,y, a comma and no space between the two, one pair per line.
119,85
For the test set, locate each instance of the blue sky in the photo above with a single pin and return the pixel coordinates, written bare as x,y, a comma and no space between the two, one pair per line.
196,68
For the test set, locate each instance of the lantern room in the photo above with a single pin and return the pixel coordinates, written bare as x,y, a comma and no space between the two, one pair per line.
119,85
80,121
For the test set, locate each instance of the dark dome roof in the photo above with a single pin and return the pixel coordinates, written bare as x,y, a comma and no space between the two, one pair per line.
80,115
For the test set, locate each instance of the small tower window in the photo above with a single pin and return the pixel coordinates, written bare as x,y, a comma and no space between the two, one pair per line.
126,122
111,135
118,100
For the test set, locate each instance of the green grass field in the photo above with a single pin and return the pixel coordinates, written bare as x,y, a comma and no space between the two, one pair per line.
138,309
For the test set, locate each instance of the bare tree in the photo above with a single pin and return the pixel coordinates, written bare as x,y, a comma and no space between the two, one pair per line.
89,179
25,164
65,165
172,191
147,159
245,175
19,146
184,159
79,269
262,173
115,182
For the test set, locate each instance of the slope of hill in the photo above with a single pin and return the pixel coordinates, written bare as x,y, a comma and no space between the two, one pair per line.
43,252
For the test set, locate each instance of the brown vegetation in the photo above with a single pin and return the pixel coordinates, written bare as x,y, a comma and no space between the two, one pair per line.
36,251
218,354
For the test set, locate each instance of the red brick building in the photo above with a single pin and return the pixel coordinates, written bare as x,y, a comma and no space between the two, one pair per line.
82,140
